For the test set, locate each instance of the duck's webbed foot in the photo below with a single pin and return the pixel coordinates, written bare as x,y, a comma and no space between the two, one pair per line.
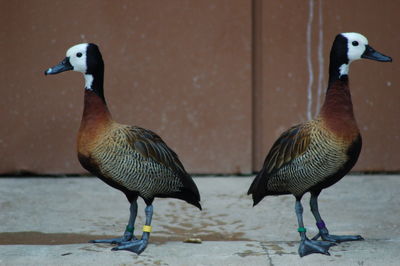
324,234
136,246
308,246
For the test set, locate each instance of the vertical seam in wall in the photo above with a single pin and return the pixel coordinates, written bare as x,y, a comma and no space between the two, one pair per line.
309,59
320,56
256,81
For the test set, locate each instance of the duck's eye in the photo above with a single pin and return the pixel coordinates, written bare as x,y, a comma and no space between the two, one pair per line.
354,43
80,54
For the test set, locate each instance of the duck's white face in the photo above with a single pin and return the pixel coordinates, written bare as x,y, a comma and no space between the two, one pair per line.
356,45
85,58
77,57
357,48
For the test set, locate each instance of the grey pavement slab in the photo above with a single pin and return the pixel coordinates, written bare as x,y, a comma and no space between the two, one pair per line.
370,252
57,216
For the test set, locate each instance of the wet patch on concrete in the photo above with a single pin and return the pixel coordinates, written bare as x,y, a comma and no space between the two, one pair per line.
247,253
279,248
39,238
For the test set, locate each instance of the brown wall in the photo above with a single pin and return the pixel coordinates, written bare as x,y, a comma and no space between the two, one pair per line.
180,68
218,80
283,75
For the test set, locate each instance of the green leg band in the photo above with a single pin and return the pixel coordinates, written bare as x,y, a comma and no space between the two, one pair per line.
129,229
301,230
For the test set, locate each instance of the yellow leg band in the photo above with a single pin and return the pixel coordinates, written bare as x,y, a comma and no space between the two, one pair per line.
147,228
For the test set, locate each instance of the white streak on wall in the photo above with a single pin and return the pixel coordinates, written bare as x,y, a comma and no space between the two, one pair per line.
309,59
320,56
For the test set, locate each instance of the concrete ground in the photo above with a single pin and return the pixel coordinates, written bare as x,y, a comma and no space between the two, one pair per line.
48,221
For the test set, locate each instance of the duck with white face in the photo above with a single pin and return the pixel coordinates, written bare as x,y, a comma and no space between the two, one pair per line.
129,158
316,154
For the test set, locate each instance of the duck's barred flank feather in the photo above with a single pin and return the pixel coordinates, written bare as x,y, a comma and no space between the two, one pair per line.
290,145
139,161
304,156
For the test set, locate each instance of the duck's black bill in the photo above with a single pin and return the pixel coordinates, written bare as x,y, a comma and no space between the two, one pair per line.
371,53
65,65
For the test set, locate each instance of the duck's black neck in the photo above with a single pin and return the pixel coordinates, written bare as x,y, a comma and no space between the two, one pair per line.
338,69
338,61
94,82
94,76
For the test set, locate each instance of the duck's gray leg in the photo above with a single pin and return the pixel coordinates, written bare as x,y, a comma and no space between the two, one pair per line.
308,246
323,231
128,234
138,246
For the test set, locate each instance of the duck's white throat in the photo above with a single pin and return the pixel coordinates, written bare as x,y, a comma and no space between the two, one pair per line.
88,81
344,70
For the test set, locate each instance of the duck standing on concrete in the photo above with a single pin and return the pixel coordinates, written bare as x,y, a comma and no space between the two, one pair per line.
129,158
316,154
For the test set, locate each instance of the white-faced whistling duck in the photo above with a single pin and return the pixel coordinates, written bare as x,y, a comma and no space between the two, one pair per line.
129,158
316,154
